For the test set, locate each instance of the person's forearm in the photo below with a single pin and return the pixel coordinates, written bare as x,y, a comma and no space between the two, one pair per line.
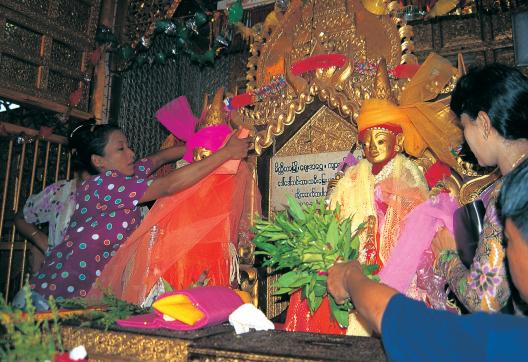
370,299
167,155
185,177
31,233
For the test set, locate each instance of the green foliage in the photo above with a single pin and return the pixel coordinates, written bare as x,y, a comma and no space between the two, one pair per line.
114,309
305,241
27,339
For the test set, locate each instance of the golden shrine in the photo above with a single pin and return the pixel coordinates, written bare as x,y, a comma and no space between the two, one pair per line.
315,112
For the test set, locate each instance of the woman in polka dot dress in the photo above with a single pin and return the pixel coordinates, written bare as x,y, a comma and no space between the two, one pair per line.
107,210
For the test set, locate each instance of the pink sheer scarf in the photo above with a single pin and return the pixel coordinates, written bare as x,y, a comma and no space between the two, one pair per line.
419,229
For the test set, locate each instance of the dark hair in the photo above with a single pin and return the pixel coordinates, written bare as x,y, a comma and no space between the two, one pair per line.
513,199
87,139
500,91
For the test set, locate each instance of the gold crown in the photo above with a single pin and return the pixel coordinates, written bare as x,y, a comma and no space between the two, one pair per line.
382,86
215,114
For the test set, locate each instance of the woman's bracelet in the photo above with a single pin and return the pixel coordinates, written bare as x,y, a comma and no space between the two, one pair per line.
34,233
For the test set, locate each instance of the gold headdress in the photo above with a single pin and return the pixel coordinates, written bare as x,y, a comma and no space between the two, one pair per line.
425,124
382,87
215,115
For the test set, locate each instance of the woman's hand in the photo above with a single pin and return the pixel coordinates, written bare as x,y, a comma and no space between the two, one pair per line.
338,278
237,148
443,240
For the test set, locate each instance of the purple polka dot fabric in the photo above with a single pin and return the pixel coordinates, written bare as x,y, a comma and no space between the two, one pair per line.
106,213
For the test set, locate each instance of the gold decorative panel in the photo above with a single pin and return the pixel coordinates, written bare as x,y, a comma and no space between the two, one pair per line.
112,346
322,27
482,38
326,131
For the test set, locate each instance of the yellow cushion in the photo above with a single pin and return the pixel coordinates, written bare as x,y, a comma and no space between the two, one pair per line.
179,307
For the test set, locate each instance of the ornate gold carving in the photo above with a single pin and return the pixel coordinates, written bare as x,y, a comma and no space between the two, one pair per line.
471,189
112,346
320,28
326,131
249,282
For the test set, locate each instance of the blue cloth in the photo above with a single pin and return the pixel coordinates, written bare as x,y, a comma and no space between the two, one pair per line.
412,332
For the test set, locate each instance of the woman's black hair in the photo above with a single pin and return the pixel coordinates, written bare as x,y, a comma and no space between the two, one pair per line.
513,199
87,139
500,91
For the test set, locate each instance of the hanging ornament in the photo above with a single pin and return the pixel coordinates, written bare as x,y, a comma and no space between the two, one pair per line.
221,41
145,42
160,58
235,12
172,29
181,42
141,59
200,18
282,5
411,12
162,25
194,57
208,57
191,25
182,31
125,52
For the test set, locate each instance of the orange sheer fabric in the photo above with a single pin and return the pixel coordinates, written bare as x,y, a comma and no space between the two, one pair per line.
194,229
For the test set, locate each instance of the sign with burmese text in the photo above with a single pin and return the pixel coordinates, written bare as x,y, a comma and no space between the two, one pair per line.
305,177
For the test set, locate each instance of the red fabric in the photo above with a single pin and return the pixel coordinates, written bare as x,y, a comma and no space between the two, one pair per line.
241,100
404,70
437,172
299,319
317,62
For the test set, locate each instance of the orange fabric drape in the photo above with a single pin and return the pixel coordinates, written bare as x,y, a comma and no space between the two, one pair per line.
194,229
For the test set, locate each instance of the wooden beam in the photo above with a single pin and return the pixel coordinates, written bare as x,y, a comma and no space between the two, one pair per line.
19,97
16,129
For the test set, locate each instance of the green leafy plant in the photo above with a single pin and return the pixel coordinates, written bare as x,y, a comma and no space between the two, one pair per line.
26,338
305,241
113,310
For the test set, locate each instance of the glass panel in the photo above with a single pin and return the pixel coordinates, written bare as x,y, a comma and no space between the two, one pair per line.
61,86
21,38
18,71
65,55
74,15
38,6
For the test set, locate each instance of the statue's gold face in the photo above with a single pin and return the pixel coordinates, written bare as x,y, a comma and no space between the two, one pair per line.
379,145
200,153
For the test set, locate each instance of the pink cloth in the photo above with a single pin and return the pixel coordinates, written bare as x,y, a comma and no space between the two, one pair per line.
178,118
215,302
419,229
212,138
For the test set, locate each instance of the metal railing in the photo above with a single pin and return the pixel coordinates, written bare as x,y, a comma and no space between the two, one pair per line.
28,163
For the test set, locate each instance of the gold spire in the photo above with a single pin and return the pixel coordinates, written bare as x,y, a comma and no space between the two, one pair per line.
382,87
215,114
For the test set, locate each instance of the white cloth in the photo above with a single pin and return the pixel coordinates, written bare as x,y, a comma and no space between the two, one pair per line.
247,317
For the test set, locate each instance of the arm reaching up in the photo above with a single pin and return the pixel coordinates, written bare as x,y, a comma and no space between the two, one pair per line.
180,179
